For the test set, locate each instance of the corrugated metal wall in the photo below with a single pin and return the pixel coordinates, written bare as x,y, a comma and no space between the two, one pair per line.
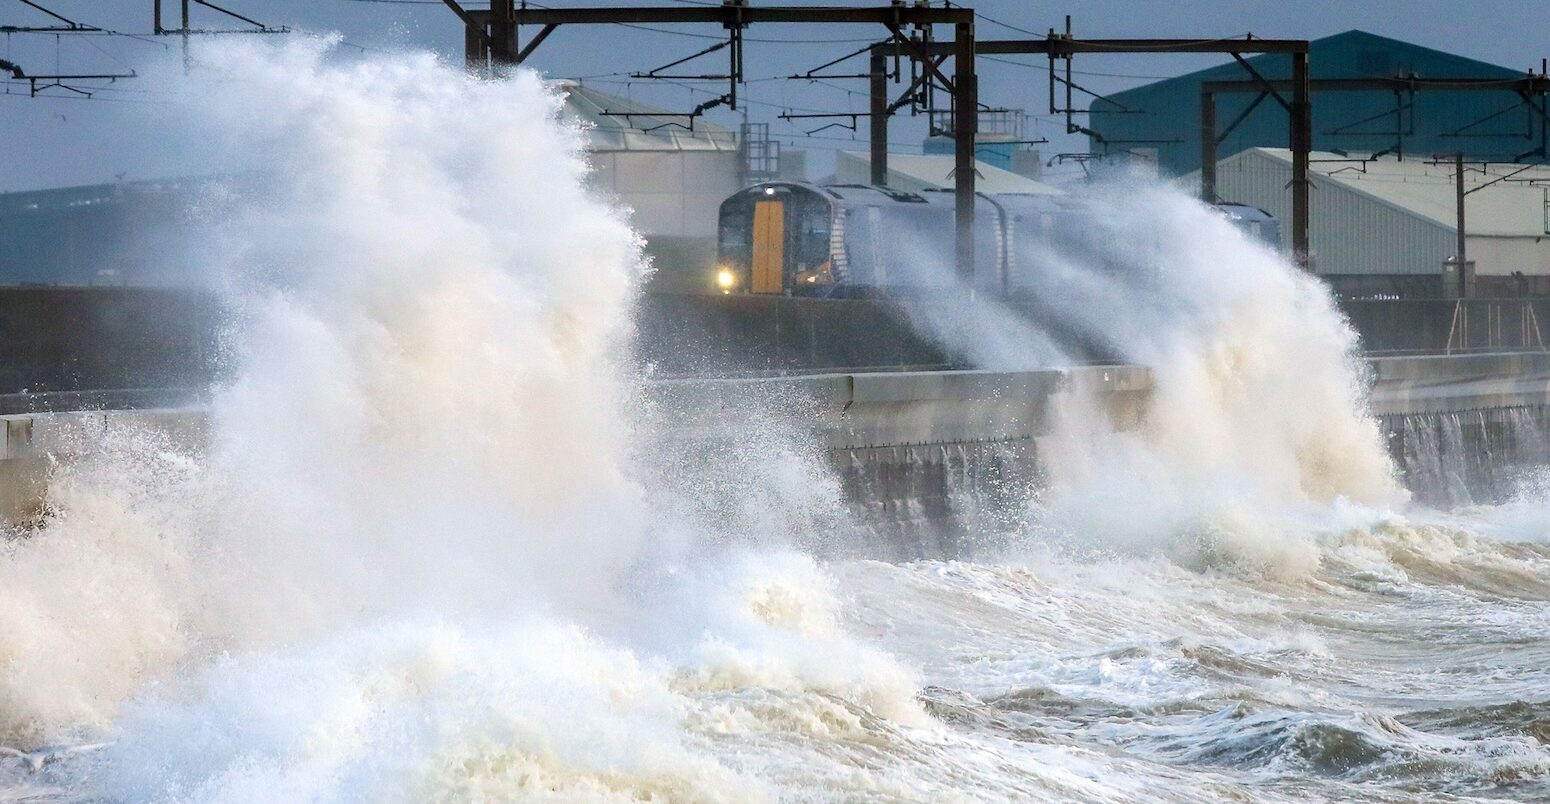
131,233
1504,255
675,200
1348,232
676,193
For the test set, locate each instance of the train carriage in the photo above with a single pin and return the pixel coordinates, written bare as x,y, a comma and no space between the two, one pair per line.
848,240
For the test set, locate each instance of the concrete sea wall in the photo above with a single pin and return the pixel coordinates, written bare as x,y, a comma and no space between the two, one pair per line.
1465,428
923,457
903,443
922,454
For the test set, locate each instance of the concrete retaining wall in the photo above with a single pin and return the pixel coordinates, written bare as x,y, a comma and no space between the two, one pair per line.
68,339
920,449
32,443
1464,428
1438,384
908,407
897,437
923,457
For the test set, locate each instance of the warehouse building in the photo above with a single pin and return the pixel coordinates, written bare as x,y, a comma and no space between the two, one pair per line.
127,233
1159,123
917,172
1394,221
671,178
1000,140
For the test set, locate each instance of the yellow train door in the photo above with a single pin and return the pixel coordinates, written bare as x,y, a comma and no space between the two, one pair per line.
769,247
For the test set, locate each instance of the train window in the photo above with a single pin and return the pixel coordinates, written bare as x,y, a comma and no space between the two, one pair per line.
734,231
734,241
814,242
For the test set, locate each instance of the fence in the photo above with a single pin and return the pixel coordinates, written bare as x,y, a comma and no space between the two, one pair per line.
1386,287
1449,326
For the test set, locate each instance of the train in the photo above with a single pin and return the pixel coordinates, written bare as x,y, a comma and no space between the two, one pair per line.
847,240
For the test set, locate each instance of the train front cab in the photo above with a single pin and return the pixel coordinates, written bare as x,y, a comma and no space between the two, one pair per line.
774,239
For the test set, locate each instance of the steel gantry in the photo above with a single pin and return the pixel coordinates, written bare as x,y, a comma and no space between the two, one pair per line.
39,83
491,42
1059,47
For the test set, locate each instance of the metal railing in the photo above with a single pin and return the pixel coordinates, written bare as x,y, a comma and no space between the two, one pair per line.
1449,326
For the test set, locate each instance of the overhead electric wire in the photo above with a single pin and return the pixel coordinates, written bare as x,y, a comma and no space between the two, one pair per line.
1045,68
994,21
94,34
82,30
126,65
7,84
693,89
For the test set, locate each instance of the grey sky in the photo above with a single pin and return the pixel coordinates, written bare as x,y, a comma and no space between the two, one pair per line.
58,141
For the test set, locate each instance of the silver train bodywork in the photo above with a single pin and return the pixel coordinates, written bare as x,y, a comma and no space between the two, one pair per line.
797,238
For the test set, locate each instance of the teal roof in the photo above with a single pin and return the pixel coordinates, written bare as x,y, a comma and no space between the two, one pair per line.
1353,54
1164,116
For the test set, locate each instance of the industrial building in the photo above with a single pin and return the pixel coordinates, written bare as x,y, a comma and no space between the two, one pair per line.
672,179
1160,122
1000,139
1397,217
917,172
109,234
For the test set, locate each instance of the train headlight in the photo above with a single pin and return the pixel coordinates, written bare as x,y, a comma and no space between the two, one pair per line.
726,280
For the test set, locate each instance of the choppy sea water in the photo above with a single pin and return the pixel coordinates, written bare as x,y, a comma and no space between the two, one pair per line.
1411,666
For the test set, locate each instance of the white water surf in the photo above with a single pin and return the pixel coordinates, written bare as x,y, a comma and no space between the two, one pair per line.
425,557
